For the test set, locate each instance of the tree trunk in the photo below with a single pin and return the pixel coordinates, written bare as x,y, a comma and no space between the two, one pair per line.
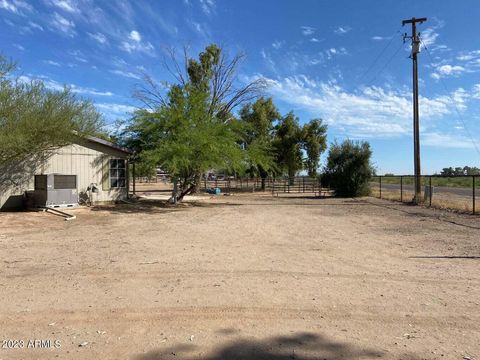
263,183
188,190
291,178
196,183
174,198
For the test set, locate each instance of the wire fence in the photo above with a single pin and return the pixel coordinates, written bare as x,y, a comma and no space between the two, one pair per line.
459,192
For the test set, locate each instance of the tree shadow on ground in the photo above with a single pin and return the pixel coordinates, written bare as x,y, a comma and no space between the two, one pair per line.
155,206
300,346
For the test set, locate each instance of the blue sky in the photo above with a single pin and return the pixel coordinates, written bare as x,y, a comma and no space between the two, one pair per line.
320,59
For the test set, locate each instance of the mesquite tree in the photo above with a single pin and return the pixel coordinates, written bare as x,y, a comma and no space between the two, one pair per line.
189,128
36,120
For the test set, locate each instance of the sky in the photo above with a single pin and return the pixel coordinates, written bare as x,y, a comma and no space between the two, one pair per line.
342,61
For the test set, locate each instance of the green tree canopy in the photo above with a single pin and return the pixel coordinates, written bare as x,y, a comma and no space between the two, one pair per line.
258,125
348,169
34,119
287,144
190,129
314,142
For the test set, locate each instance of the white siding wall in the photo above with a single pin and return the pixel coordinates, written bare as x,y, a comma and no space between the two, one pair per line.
85,162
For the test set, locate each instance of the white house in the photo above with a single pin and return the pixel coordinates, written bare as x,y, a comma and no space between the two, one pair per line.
94,161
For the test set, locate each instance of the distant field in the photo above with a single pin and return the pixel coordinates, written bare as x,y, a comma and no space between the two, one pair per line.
436,181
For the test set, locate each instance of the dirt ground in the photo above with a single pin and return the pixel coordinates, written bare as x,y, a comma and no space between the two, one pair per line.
241,277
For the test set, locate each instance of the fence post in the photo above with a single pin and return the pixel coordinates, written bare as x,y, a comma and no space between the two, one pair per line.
430,190
380,180
401,189
473,194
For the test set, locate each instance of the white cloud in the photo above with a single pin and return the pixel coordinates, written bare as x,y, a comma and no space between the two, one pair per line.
64,25
447,70
428,37
15,6
469,55
437,139
307,30
114,111
51,62
102,39
369,112
380,38
277,44
476,91
127,74
116,108
19,47
56,86
6,5
313,39
78,55
135,36
330,53
34,25
65,5
342,30
268,61
208,6
135,44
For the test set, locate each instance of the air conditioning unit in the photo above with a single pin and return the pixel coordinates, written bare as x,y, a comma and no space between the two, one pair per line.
55,191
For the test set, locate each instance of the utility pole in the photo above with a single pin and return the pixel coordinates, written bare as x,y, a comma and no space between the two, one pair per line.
416,127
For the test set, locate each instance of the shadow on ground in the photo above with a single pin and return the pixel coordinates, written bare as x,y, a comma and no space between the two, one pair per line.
154,206
300,346
443,215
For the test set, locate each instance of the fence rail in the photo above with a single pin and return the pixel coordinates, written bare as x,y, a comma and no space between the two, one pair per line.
459,192
300,184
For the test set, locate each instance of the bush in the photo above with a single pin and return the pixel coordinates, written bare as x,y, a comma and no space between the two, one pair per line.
348,168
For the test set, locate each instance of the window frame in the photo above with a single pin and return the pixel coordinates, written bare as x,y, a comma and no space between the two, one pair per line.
117,178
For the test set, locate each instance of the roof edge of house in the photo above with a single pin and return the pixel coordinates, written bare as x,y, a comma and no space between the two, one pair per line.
108,144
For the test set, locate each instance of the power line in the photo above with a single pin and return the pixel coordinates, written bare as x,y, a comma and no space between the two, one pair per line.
378,56
454,102
385,65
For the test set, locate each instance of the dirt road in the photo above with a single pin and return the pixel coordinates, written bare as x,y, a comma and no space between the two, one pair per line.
242,277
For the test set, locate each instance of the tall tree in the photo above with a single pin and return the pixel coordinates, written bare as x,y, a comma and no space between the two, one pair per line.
190,128
258,121
213,78
287,145
315,143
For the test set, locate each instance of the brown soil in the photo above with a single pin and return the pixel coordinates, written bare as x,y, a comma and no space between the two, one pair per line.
242,277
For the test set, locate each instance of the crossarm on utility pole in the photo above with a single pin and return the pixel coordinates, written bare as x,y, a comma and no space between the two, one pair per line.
414,20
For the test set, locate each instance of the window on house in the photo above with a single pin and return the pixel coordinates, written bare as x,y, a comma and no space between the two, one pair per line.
117,173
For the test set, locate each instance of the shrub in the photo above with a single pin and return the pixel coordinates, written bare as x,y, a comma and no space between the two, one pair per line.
348,169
